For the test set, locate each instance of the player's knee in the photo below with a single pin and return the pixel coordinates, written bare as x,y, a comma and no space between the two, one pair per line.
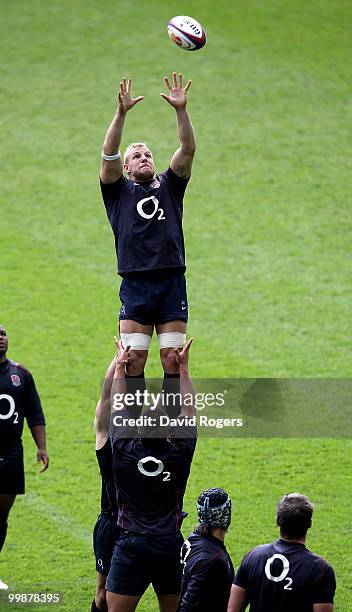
169,360
100,599
136,362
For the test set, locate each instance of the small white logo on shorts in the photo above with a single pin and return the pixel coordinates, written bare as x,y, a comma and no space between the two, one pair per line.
100,563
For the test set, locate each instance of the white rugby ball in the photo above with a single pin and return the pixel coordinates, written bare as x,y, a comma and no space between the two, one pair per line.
186,33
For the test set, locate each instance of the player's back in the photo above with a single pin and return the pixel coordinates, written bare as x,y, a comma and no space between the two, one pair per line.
150,479
286,577
207,574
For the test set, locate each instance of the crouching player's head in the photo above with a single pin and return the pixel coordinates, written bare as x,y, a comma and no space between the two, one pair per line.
214,512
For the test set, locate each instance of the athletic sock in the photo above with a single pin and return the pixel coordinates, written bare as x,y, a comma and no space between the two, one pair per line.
171,385
134,384
3,530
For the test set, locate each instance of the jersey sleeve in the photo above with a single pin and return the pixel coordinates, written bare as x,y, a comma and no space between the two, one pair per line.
177,183
111,193
241,576
122,426
324,585
32,406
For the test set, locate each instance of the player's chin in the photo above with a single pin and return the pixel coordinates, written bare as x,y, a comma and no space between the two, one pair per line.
146,173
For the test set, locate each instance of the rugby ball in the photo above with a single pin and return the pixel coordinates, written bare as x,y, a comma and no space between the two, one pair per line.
186,33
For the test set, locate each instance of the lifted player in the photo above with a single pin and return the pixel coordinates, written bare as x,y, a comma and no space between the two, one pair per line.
18,400
145,213
105,530
207,567
285,576
151,467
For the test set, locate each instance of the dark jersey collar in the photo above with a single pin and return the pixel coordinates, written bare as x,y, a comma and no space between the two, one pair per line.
211,538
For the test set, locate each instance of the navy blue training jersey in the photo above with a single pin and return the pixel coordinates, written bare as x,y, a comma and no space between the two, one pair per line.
146,219
285,577
151,480
207,574
19,400
108,503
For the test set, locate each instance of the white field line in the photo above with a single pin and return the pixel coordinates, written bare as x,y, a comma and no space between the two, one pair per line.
64,523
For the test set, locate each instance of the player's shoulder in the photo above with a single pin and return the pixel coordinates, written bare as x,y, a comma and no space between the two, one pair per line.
262,549
171,176
18,373
213,548
318,563
115,187
20,367
259,551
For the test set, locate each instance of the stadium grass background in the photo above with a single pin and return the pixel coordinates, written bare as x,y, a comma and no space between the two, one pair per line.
267,224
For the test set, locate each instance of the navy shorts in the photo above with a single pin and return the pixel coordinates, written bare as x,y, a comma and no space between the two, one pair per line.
140,560
11,475
105,536
154,299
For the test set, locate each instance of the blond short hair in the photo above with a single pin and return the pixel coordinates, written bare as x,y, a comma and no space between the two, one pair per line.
133,145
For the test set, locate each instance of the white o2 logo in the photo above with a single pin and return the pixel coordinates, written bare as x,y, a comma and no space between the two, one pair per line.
157,470
185,551
283,575
11,411
145,215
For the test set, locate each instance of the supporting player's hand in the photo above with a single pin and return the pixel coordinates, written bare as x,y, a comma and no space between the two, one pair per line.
42,457
177,93
182,355
126,102
122,356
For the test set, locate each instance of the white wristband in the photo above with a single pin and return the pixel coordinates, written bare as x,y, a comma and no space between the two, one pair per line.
110,157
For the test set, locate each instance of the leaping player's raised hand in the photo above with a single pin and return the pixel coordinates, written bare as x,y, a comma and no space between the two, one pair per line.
122,356
177,92
126,102
182,355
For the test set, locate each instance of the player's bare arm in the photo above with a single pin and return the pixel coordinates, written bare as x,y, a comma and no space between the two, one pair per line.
119,380
181,162
38,433
111,169
186,385
238,598
102,411
323,607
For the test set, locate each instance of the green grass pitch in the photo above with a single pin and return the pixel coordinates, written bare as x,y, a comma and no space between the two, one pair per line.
268,235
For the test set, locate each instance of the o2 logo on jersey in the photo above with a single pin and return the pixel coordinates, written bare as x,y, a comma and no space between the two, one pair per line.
184,553
141,205
11,412
284,572
158,468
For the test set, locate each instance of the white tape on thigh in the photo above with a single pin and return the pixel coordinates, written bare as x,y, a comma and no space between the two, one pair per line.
171,340
137,342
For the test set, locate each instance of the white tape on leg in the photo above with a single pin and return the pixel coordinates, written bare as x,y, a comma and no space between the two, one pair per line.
137,342
171,340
